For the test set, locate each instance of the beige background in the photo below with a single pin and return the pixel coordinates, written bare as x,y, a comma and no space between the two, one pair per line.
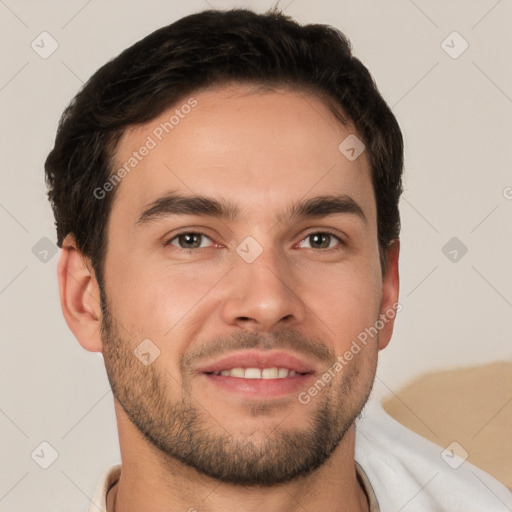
456,118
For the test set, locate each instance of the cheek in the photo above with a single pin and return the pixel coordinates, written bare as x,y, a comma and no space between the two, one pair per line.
158,298
346,300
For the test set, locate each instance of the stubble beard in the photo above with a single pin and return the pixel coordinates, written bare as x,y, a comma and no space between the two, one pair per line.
183,430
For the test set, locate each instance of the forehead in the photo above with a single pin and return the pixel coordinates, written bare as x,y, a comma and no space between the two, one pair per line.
259,150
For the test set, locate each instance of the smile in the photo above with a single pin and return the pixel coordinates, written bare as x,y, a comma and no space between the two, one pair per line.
258,373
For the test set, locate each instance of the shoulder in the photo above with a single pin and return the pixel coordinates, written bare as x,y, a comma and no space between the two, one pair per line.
410,473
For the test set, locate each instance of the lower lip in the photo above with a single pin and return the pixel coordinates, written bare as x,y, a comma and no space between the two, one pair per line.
260,388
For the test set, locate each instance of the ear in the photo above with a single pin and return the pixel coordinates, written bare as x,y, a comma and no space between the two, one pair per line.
389,306
79,296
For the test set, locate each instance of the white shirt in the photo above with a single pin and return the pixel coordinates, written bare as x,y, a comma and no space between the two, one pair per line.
408,473
400,471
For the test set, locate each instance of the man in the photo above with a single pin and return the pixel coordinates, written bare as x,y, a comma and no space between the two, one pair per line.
226,196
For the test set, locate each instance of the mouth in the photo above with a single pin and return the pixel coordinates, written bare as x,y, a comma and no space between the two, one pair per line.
259,382
259,364
259,374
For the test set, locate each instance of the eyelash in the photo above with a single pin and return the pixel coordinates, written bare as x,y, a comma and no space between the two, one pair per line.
325,232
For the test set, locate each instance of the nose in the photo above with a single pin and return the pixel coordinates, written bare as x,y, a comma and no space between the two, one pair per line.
264,294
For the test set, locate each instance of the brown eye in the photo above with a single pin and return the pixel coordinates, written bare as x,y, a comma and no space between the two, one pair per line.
189,240
321,240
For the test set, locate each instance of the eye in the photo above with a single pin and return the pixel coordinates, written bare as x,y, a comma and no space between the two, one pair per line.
322,240
188,240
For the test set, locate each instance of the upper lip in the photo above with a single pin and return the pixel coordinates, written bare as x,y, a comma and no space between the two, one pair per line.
259,359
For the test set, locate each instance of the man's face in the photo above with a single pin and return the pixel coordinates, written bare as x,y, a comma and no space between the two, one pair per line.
263,282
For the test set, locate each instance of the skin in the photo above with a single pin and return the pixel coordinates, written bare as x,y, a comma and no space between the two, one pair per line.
183,442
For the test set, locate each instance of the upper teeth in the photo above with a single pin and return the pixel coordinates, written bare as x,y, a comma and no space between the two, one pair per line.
258,373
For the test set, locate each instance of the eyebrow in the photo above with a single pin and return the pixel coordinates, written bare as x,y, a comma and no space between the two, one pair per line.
315,207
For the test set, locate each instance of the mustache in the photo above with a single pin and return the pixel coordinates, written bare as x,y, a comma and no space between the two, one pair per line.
289,339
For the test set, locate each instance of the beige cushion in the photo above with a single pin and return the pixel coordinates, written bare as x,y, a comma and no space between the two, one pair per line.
472,406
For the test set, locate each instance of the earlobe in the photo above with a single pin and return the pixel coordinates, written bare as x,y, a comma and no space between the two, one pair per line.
390,294
79,296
